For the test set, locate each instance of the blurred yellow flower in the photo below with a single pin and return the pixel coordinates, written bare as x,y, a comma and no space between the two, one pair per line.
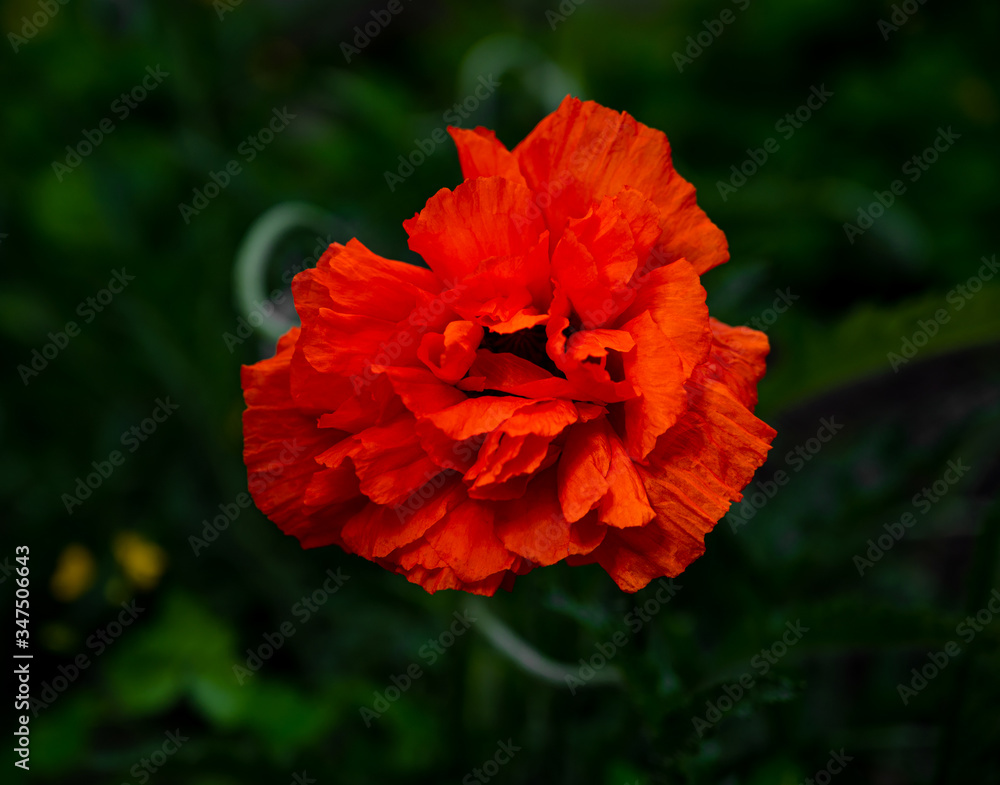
74,574
142,561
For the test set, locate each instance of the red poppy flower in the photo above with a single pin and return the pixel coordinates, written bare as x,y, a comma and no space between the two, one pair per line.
552,388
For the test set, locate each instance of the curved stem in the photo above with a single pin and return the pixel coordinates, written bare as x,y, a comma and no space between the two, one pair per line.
527,658
255,254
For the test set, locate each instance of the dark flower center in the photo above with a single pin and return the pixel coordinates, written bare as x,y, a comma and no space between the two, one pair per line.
527,344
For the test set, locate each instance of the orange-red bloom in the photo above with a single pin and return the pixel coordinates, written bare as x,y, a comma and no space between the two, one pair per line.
552,388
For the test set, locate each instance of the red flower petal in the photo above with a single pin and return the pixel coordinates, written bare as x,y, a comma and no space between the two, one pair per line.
595,472
656,373
675,299
618,434
697,469
481,154
458,229
583,470
738,354
505,372
573,354
358,310
280,443
586,152
449,354
626,503
467,542
378,531
519,447
389,462
507,293
595,260
533,526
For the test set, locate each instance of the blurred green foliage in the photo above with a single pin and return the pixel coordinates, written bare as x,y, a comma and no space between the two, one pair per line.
229,66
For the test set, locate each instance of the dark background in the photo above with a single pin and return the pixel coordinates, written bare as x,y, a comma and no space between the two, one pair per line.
172,668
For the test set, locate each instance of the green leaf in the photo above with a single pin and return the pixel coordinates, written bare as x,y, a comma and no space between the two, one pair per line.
813,357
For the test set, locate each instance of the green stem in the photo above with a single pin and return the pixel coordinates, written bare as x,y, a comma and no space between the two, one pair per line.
255,255
522,654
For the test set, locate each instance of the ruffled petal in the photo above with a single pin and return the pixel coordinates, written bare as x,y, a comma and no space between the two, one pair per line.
519,447
594,258
359,311
507,293
583,469
280,445
655,371
697,469
449,354
738,355
446,578
477,415
551,389
583,356
390,462
421,391
481,154
467,543
675,299
505,372
626,503
668,321
533,525
593,152
595,472
458,229
380,530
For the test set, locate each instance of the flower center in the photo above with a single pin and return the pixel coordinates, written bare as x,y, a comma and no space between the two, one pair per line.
528,344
